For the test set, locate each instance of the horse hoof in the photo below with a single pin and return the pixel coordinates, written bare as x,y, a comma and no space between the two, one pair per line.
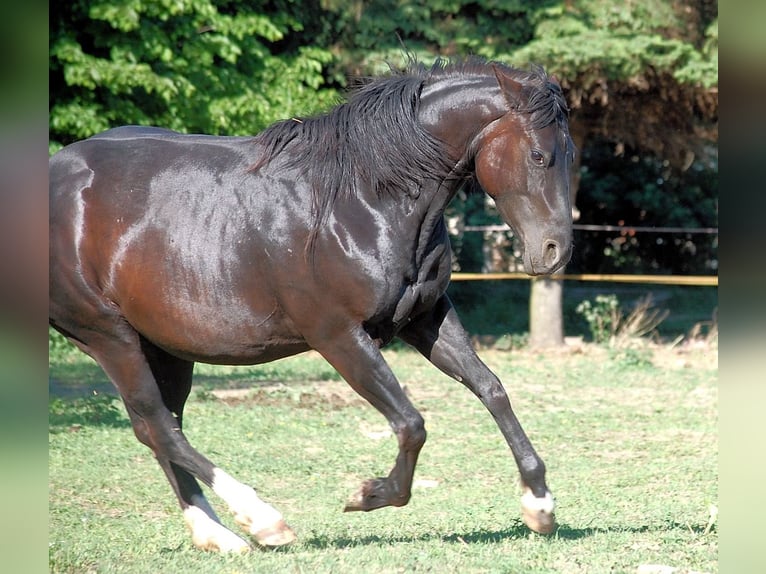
374,494
537,513
278,534
356,502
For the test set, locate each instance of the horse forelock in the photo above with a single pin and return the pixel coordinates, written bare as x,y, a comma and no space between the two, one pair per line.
540,97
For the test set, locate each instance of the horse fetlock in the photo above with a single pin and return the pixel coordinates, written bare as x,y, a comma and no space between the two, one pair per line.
401,499
537,513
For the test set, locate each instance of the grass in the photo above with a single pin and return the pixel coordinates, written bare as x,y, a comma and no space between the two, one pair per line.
629,437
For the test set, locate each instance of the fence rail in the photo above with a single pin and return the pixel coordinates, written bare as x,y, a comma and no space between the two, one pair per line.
692,280
625,228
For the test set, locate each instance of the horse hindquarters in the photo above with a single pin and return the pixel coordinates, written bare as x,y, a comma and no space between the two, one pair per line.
153,384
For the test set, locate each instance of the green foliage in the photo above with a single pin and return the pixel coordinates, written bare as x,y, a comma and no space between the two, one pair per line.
631,358
373,33
612,325
592,39
189,65
602,316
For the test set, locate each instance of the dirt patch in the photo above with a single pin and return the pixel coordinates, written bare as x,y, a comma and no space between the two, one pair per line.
328,395
325,396
693,354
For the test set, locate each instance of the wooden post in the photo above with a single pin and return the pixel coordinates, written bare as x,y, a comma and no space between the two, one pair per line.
546,316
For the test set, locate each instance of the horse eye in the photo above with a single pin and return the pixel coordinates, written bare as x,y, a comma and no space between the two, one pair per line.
537,157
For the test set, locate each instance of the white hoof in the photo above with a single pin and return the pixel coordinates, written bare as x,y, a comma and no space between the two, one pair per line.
537,513
278,534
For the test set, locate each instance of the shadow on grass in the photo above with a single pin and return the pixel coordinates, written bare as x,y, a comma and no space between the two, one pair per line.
477,537
69,415
517,531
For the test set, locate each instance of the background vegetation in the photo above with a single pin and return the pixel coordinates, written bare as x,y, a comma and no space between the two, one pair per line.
641,79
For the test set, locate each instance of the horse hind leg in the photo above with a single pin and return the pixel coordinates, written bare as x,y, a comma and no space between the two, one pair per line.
174,379
154,387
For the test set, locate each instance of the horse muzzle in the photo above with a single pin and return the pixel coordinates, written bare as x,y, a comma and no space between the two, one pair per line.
546,257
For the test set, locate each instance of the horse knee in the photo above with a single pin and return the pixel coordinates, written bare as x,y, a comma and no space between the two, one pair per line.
494,397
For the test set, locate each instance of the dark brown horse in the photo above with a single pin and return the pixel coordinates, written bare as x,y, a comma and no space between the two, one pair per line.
321,233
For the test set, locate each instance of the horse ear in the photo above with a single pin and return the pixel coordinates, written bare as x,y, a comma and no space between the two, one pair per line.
555,80
510,87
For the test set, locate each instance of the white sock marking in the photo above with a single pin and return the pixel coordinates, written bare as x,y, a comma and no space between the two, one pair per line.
250,511
209,534
531,502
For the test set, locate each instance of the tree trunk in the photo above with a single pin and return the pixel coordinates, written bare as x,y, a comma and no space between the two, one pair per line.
546,317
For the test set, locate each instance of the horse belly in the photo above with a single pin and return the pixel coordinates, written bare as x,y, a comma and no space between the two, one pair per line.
229,320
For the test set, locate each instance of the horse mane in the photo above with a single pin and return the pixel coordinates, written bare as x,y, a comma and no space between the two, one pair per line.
375,138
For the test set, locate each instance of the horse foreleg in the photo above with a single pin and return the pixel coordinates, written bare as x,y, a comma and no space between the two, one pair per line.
441,338
361,364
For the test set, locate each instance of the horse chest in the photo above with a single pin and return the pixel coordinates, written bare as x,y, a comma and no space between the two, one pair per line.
419,290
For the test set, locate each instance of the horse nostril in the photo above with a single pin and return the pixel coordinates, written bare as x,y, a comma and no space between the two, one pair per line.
551,253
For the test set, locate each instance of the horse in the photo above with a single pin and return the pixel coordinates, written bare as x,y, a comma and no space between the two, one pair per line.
323,232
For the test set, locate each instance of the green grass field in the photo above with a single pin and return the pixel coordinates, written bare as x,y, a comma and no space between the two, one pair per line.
629,438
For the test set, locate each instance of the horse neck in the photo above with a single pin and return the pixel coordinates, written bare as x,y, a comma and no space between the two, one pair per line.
456,110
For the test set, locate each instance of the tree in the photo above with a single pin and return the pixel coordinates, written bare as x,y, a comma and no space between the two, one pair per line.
641,75
193,65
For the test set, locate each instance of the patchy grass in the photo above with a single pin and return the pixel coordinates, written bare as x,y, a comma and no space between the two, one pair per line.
629,438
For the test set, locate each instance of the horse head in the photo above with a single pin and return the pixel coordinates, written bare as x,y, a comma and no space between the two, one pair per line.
523,160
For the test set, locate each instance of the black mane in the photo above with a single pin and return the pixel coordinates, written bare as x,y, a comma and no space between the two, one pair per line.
374,139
